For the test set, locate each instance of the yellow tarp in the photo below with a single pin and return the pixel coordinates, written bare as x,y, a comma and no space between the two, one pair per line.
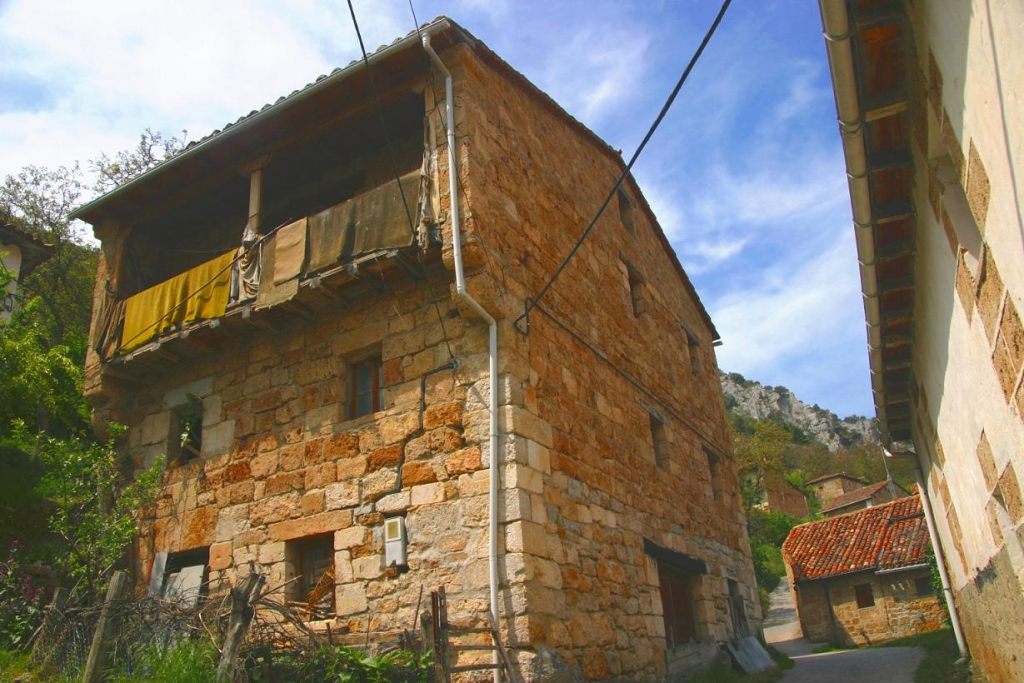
199,293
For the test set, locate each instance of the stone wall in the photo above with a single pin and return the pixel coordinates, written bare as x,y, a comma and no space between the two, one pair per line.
899,610
609,344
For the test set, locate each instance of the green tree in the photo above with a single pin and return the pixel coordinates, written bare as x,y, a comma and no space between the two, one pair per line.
154,148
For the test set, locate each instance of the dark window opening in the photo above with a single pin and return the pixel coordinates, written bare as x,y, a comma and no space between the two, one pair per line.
923,586
367,387
627,211
693,347
738,611
714,469
185,442
865,596
637,291
659,435
312,564
184,576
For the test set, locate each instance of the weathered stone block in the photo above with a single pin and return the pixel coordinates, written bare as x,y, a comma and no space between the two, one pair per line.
369,567
378,484
416,473
427,494
350,537
350,468
220,556
389,456
311,526
396,502
350,599
344,494
462,461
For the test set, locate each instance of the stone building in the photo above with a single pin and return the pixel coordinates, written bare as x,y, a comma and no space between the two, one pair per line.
348,402
864,497
929,102
20,254
832,486
862,578
783,496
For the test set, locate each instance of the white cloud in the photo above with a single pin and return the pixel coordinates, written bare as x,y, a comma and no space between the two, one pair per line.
596,68
792,312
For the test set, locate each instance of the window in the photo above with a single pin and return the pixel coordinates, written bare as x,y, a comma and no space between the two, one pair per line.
185,442
637,292
367,393
659,435
714,468
923,586
312,567
865,596
180,577
693,347
627,211
678,581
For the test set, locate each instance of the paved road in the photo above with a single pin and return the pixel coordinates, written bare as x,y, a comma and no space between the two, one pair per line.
875,665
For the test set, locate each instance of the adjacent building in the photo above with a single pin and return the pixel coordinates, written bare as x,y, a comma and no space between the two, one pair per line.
321,326
20,254
864,497
862,578
832,486
929,104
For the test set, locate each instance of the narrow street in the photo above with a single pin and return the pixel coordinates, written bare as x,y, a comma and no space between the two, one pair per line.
878,665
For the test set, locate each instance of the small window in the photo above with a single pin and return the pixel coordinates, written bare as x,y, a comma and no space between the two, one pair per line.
637,289
627,211
865,596
923,586
367,394
659,435
714,468
185,442
312,564
693,346
677,605
183,579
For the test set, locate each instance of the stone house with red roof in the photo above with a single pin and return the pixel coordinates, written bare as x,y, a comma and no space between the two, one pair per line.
862,578
353,406
831,486
864,497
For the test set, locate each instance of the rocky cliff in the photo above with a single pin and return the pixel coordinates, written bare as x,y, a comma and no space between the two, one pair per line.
752,399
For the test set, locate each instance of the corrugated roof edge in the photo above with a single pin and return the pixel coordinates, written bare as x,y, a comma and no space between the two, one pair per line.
218,135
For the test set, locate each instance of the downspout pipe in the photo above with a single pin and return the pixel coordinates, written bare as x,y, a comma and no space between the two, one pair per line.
940,560
492,329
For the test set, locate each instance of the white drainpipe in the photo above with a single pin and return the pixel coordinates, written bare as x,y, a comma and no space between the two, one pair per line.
492,329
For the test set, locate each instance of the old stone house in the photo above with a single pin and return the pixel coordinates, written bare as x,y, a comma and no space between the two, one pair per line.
929,102
784,496
831,486
864,497
326,347
862,578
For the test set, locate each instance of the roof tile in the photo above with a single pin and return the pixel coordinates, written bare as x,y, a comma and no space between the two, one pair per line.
887,536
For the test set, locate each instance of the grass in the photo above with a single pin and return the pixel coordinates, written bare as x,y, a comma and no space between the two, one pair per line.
14,665
940,656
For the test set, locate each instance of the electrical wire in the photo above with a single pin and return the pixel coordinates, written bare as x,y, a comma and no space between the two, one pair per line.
637,384
531,303
394,168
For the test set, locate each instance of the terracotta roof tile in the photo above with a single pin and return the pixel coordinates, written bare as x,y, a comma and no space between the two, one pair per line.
855,496
887,536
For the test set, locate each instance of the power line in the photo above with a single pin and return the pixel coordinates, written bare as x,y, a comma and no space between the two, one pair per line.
531,303
394,170
637,384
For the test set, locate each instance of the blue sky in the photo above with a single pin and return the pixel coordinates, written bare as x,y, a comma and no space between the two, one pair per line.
745,174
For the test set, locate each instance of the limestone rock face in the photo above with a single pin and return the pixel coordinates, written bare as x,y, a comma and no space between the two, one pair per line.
753,399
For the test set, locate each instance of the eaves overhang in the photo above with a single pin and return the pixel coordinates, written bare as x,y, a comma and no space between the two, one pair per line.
869,50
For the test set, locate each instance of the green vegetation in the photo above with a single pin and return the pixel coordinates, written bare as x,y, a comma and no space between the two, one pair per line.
337,663
940,657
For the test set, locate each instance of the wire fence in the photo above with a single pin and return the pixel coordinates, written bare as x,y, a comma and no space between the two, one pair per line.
140,635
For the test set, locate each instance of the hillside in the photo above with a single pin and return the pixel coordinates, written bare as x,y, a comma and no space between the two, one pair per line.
754,400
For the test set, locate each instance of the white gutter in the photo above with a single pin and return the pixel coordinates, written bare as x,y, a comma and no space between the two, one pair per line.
492,328
836,23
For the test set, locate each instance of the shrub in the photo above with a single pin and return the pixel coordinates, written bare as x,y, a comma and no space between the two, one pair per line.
20,601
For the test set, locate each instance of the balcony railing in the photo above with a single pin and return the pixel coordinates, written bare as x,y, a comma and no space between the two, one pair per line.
267,270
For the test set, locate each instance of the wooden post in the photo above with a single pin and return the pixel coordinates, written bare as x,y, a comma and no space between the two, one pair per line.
104,628
241,616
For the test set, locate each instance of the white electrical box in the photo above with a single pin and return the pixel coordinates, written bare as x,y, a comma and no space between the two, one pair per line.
394,542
